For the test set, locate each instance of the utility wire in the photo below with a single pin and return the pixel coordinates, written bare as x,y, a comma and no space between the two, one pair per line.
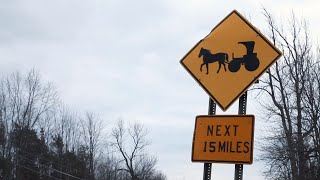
49,167
46,166
50,160
37,171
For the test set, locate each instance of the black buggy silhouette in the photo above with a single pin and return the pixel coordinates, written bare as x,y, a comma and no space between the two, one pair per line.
249,60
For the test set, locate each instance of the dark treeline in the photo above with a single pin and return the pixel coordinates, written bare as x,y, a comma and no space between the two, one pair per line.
42,139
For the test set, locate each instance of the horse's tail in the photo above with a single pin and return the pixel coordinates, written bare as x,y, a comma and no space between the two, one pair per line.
227,58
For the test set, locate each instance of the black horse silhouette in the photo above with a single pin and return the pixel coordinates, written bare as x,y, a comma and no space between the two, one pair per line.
222,58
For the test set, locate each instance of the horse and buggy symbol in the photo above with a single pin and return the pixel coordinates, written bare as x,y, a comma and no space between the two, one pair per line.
249,60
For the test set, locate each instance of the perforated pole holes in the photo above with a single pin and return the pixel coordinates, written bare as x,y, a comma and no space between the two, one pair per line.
207,171
207,166
242,111
239,172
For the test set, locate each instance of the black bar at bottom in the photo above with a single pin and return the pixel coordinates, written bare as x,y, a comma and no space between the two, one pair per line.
207,171
207,166
238,174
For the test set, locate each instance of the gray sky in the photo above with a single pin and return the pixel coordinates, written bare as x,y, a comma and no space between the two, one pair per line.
120,59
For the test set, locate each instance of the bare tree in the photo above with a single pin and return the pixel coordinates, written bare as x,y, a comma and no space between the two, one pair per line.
42,139
159,176
131,143
108,168
24,102
311,114
289,86
91,133
67,125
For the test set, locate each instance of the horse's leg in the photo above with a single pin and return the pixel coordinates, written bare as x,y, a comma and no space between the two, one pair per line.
207,68
219,68
201,67
224,65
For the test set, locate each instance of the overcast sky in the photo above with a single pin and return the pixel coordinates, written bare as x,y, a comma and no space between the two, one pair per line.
120,59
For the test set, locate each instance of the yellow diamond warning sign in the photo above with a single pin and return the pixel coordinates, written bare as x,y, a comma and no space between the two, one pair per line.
230,59
223,139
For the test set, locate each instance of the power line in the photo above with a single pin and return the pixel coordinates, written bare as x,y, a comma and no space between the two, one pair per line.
46,166
49,167
37,171
51,160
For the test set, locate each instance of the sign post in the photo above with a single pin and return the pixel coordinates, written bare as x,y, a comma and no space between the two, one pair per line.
238,173
208,166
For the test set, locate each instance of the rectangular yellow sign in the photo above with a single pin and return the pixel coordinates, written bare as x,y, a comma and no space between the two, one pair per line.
223,139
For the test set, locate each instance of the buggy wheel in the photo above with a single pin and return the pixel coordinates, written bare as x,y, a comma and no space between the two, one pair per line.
252,64
234,66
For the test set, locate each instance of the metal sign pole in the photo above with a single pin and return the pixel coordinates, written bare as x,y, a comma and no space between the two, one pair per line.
238,174
207,166
207,171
